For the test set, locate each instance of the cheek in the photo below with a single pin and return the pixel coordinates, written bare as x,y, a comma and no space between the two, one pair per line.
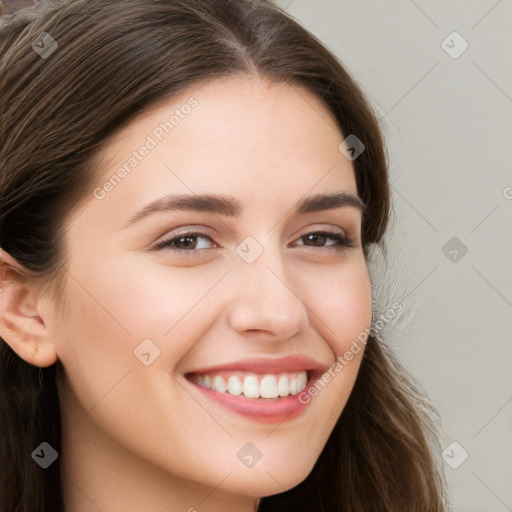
127,301
172,306
344,304
111,312
106,320
94,341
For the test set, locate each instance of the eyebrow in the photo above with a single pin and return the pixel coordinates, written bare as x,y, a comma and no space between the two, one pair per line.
231,207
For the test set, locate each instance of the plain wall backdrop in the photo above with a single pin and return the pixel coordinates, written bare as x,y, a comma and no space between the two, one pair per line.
444,101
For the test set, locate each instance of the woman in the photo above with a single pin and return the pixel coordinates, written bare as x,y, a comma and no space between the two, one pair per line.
189,193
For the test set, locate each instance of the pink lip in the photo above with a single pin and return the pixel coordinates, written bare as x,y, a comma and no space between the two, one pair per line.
265,410
291,363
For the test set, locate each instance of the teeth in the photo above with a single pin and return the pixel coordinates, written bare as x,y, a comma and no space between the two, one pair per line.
234,385
268,387
205,381
254,386
219,384
283,386
251,387
302,381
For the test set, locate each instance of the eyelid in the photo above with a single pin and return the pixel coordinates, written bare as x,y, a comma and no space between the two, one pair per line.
162,244
187,230
344,241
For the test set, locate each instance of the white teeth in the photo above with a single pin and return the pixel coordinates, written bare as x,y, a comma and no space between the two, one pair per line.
302,381
270,386
219,384
251,387
283,386
234,385
293,386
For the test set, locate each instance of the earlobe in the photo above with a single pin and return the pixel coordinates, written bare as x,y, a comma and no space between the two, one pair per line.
21,325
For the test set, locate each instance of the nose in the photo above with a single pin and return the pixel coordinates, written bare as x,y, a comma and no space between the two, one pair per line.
265,298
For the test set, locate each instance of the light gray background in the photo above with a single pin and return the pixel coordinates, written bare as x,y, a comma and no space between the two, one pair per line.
448,128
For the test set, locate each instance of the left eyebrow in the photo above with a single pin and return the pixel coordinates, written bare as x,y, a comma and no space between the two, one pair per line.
320,202
229,206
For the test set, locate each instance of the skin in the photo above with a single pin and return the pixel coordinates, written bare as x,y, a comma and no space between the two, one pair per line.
141,437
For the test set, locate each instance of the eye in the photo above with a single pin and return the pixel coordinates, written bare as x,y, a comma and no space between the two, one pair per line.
318,239
186,242
189,242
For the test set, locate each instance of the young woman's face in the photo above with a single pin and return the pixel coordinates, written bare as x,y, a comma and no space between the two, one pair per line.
241,288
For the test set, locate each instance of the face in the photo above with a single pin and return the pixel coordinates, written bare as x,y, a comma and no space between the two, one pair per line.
208,263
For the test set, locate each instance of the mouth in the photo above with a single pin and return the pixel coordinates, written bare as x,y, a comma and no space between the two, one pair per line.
252,385
265,390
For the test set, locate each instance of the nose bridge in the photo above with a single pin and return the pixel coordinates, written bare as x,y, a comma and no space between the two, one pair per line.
265,297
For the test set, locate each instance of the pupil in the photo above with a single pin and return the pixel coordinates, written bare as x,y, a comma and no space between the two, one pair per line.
189,240
316,238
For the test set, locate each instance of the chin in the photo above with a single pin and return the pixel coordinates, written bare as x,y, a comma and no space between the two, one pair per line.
268,481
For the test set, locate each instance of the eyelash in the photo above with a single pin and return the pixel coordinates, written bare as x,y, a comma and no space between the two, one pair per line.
343,241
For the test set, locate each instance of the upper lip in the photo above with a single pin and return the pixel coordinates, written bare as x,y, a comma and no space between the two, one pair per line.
290,363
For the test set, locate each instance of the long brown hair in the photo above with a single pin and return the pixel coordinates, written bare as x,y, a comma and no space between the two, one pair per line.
112,60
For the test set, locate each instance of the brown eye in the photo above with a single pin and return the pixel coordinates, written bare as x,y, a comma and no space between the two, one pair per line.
319,239
186,242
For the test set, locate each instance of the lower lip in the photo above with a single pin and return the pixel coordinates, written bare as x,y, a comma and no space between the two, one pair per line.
265,410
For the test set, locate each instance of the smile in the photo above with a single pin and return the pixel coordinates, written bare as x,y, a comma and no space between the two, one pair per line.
261,389
252,385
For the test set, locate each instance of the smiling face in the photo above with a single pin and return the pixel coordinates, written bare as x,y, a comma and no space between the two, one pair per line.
169,292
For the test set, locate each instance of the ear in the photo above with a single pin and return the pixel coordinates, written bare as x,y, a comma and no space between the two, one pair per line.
22,324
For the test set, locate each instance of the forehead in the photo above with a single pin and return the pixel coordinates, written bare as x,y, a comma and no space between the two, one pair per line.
242,135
